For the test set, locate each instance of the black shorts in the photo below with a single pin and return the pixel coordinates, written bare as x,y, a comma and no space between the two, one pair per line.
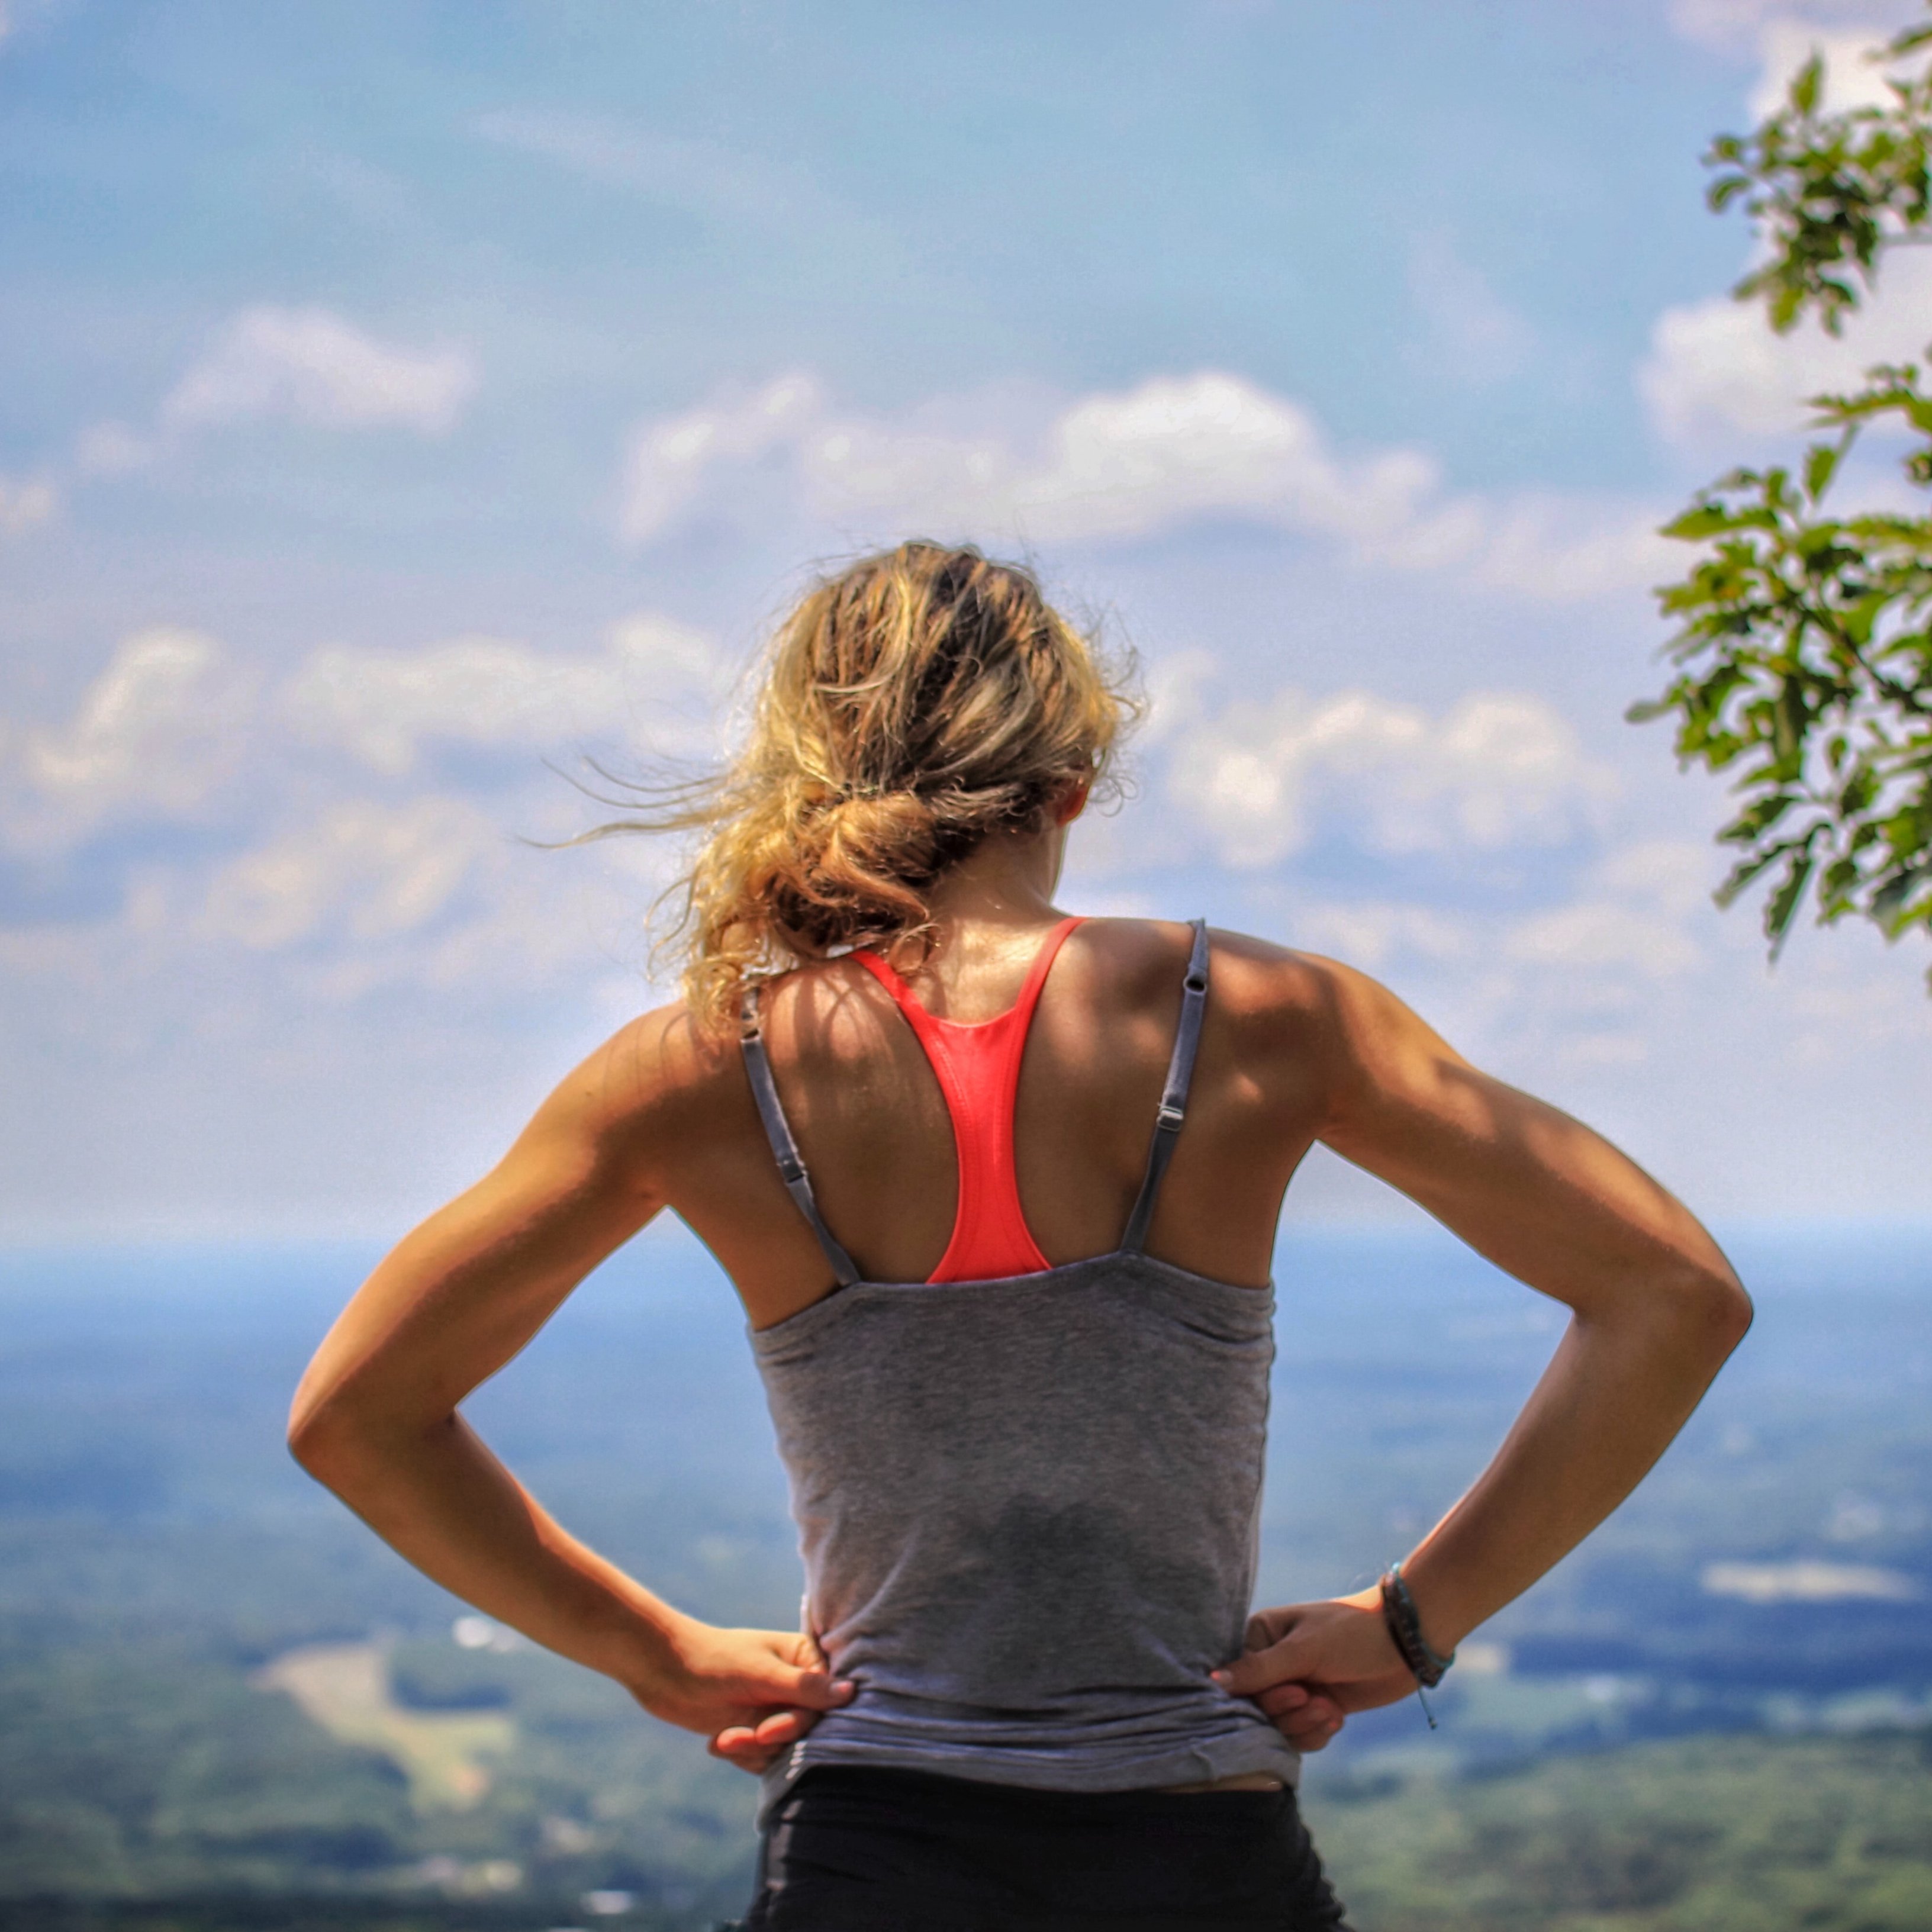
877,1850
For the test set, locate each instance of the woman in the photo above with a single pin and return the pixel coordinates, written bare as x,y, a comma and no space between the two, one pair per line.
998,1188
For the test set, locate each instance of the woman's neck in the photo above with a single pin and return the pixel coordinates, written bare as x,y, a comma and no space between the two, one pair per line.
987,913
1007,881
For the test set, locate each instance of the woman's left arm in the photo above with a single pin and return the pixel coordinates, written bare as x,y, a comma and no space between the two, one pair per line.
1656,1310
375,1417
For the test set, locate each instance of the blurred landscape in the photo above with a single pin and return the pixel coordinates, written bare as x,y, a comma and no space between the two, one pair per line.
415,406
225,1704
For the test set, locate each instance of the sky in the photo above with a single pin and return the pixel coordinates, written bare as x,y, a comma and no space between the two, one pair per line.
406,404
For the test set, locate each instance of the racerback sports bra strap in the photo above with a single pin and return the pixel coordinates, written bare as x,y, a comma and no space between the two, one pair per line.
778,1131
977,1065
1167,1122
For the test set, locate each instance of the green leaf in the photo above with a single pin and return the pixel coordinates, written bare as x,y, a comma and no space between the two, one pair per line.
1801,643
1761,818
1744,871
1703,520
1805,84
1821,463
1782,907
1788,719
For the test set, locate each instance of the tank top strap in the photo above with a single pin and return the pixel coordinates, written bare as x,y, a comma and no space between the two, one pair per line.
1174,1095
778,1132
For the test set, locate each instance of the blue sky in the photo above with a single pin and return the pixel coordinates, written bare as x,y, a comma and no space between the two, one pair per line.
402,396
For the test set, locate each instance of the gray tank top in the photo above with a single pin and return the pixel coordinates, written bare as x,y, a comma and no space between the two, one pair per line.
1028,1507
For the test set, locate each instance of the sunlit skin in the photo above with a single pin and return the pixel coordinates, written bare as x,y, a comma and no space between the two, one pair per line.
1296,1049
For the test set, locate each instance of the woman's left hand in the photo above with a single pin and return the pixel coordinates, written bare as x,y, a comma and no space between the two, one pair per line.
1307,1665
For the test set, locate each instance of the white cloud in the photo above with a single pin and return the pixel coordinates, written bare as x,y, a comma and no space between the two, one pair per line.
1474,336
1674,876
1716,370
362,871
313,366
155,734
1599,933
174,716
699,175
1124,466
672,460
334,887
1852,78
1368,933
25,504
1590,983
1882,1007
1808,1583
383,706
1497,769
1115,467
1731,26
1632,916
430,892
1108,465
1558,549
112,449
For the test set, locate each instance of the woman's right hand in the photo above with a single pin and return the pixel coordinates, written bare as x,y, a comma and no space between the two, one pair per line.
753,1693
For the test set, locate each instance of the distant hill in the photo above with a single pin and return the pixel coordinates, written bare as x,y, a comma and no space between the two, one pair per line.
222,1703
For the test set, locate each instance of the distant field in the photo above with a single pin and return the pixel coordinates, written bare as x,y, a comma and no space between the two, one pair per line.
447,1756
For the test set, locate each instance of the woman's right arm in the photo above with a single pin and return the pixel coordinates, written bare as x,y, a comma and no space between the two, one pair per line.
1655,1311
377,1418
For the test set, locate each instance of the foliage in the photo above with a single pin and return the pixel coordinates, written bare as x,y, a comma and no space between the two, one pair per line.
1804,646
1830,193
1735,1835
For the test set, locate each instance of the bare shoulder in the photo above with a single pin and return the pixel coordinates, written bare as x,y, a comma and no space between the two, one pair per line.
659,1082
1264,990
1320,1037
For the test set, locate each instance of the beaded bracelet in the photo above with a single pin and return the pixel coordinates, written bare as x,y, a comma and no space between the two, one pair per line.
1405,1626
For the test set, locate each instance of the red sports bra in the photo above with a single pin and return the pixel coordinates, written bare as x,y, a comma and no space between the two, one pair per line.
978,1068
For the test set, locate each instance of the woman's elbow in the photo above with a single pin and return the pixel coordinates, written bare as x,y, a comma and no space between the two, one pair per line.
317,1436
1737,1313
351,1438
334,1438
1715,1312
1691,1314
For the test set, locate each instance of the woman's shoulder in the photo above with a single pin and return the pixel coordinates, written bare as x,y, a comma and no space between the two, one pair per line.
665,1074
1251,980
669,1073
661,1079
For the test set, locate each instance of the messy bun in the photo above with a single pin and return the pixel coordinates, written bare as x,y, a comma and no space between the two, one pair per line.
912,705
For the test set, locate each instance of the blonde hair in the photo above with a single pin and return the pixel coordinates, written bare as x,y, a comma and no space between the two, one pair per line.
911,705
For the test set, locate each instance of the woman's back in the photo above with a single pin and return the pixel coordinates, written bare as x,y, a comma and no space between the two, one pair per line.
1027,1492
873,1127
